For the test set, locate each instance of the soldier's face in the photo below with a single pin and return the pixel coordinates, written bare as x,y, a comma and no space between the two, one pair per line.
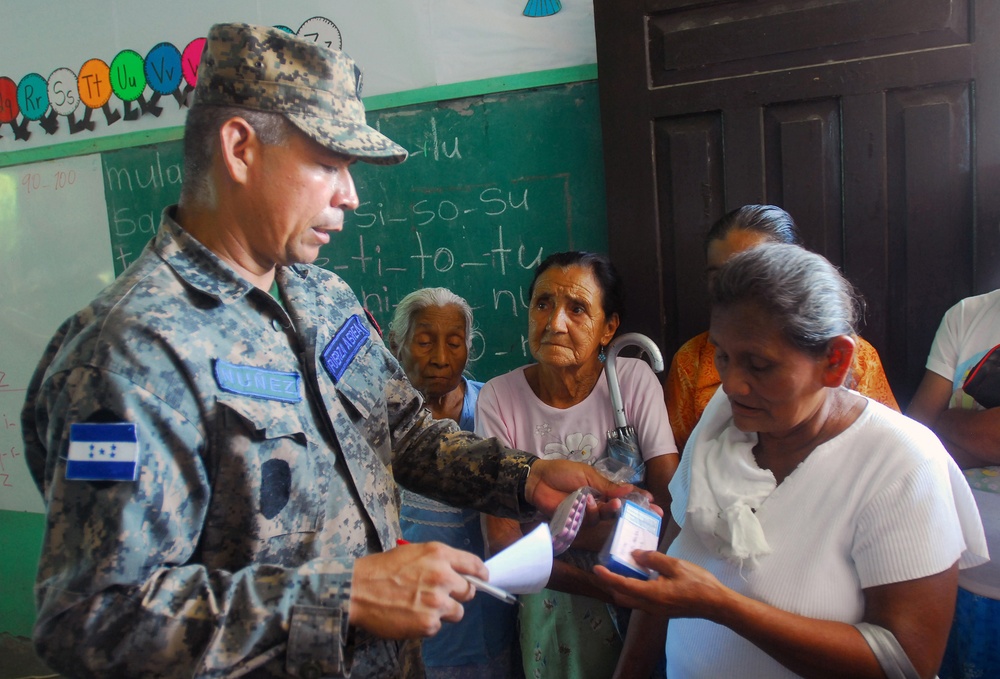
299,193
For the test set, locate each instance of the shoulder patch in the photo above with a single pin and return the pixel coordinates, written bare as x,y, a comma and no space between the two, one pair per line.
344,346
103,452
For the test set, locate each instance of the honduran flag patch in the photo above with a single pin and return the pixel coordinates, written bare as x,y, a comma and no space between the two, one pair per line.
103,452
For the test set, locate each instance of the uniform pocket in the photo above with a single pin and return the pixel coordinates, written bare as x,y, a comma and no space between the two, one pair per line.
270,463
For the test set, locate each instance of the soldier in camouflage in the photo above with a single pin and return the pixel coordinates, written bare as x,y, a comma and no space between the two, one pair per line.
254,533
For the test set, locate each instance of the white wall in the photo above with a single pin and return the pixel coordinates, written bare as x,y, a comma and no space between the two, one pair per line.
402,45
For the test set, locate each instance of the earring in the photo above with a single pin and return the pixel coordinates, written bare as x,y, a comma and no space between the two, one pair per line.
600,355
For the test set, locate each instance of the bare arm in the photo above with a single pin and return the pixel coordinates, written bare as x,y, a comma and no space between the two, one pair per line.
594,537
918,612
969,435
647,631
501,533
572,580
659,471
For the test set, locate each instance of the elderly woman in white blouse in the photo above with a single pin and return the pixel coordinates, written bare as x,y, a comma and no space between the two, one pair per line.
818,533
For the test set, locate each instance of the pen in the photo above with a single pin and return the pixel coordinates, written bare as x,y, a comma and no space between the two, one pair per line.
492,590
482,585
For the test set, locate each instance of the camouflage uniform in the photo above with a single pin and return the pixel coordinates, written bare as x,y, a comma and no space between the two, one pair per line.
231,555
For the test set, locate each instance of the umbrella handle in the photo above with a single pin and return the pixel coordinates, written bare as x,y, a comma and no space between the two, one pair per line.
617,344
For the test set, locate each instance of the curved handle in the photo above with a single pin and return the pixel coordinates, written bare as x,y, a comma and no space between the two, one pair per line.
617,344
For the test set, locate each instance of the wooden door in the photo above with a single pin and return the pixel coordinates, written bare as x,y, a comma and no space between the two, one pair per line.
875,123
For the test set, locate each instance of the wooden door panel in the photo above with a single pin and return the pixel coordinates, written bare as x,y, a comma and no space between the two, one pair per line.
873,122
930,197
689,154
866,234
821,81
744,137
732,38
803,170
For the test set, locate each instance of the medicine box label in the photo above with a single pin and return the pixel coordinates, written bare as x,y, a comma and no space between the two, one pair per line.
637,529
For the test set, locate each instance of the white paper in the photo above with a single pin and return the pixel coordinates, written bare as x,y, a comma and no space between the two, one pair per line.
525,566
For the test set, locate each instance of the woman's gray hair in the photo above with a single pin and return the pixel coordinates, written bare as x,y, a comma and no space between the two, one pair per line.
810,299
770,221
201,131
401,325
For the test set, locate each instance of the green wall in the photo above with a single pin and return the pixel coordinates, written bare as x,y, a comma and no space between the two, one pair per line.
20,546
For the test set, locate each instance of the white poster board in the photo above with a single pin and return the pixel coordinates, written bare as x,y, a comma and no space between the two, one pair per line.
55,256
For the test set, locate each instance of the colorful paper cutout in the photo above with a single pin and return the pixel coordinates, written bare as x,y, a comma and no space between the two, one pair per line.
41,100
94,84
33,96
64,95
542,8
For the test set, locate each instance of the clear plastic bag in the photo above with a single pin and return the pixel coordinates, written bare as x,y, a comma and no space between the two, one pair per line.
621,472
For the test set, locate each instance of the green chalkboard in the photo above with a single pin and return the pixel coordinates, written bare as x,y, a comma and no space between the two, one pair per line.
493,184
138,183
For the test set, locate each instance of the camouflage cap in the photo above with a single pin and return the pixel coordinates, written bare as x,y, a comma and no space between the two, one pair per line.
318,89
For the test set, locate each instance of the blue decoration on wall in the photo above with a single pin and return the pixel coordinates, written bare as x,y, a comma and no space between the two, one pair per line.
542,8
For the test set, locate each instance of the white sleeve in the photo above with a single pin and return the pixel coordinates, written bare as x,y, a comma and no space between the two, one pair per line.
918,525
944,354
680,489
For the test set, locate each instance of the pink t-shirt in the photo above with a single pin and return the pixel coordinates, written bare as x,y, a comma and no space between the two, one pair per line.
510,411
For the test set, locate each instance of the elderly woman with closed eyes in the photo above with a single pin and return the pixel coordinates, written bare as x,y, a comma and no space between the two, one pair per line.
431,334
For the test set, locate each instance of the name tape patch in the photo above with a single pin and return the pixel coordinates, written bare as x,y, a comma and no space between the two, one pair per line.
246,380
103,452
344,346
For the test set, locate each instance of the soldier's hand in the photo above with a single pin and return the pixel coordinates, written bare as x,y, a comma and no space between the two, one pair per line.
407,592
550,481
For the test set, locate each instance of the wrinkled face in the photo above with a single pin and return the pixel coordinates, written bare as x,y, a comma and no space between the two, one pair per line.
773,386
298,194
721,250
566,323
436,354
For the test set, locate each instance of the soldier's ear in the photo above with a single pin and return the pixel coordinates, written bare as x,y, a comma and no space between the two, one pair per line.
238,148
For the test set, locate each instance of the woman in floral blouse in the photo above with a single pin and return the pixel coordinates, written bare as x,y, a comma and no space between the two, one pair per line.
560,406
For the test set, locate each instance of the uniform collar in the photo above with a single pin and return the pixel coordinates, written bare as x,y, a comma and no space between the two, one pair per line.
201,268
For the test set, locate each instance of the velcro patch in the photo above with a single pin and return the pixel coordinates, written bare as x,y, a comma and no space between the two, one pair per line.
247,380
103,452
344,346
